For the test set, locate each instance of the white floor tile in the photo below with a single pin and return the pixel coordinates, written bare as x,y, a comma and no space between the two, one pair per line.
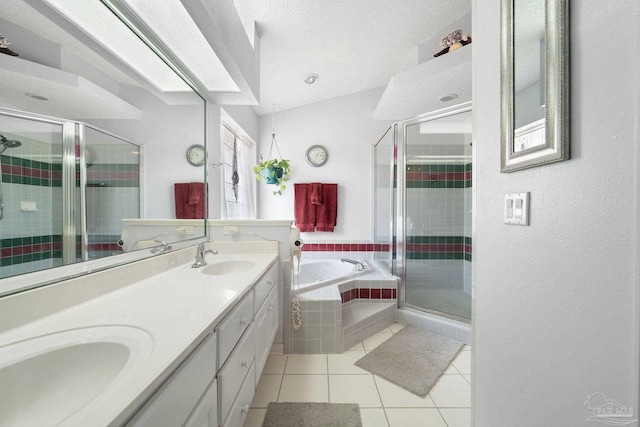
344,363
266,391
414,417
255,418
357,347
376,340
396,397
466,348
306,364
396,327
456,417
277,349
451,370
275,364
451,391
462,362
360,389
373,417
304,388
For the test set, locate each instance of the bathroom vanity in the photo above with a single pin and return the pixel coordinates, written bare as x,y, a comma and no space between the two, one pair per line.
184,346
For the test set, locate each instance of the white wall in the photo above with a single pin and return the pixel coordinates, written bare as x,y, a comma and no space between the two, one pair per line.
556,303
346,127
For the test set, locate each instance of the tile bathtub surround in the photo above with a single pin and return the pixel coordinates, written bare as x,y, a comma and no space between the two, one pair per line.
323,327
334,378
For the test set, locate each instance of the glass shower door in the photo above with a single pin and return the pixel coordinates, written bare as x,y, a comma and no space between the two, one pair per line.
436,217
31,224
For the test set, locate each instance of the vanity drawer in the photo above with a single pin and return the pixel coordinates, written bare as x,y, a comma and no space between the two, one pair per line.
234,371
232,327
264,285
240,408
174,401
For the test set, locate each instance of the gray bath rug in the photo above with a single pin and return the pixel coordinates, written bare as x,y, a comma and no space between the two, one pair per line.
310,414
412,359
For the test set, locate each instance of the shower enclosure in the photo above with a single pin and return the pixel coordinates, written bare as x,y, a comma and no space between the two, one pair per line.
65,188
422,193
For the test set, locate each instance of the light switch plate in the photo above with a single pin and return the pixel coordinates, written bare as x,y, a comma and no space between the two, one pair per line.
516,208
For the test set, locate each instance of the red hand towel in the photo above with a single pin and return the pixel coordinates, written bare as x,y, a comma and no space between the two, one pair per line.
195,192
303,210
316,193
183,209
327,213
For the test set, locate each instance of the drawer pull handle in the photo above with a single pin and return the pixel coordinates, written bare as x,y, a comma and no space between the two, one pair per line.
243,321
244,364
244,409
270,307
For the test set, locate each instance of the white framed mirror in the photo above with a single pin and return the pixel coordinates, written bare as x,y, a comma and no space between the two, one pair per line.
534,83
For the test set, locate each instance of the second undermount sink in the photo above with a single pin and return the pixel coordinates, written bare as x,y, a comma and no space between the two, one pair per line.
49,379
227,267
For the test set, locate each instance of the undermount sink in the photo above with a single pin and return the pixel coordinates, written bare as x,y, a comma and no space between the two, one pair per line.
49,379
228,267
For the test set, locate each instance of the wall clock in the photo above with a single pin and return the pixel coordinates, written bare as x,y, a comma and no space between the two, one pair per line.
196,155
316,155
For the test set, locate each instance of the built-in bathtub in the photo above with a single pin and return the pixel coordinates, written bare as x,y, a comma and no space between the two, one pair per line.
317,273
337,305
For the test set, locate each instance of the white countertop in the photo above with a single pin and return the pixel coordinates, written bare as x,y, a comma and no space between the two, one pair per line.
177,308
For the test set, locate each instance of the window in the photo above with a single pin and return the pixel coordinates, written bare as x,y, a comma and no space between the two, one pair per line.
239,201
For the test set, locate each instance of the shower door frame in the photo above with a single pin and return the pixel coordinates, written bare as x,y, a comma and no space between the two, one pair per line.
400,146
73,132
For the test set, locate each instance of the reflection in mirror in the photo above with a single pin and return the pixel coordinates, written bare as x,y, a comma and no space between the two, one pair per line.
528,74
535,84
104,124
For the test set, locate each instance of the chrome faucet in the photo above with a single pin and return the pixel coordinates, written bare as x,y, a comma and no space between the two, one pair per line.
201,254
359,265
164,249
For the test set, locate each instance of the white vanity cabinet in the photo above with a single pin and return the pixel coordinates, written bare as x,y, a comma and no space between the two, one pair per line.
266,320
215,385
172,404
206,412
239,373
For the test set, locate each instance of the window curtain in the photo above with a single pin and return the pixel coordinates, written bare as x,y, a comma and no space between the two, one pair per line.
244,207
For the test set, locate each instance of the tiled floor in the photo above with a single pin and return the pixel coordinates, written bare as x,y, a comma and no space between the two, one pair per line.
333,378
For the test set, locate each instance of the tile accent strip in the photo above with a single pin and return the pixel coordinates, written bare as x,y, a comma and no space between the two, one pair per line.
366,293
20,250
16,170
439,176
418,247
27,249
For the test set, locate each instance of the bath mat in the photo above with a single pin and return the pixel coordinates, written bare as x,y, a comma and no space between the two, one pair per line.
412,359
308,414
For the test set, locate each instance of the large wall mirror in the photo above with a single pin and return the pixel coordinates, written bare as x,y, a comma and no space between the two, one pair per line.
94,129
534,83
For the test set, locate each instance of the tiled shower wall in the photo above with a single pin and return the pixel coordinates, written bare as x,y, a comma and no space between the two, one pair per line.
31,240
113,194
438,220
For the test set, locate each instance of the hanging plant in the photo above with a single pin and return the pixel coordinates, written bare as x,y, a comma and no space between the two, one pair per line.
273,171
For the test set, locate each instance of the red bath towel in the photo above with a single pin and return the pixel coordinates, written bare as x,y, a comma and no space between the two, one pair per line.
195,192
327,213
189,200
316,193
181,195
303,210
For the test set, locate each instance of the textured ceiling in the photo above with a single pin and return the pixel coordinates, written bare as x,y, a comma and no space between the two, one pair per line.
352,45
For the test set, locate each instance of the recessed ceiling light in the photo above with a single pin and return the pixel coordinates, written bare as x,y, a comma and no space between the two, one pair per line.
36,96
448,97
311,79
